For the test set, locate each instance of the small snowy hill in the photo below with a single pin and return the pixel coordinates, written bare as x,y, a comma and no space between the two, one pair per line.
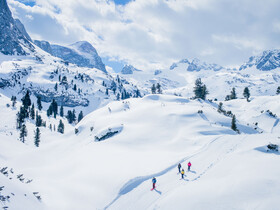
117,149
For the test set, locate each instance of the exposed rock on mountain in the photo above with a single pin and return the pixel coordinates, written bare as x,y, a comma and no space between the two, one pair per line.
82,53
12,40
128,69
21,28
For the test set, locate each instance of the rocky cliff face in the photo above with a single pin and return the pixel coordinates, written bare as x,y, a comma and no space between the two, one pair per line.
12,40
21,28
83,54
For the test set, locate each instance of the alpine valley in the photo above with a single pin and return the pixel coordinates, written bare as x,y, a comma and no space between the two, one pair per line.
75,135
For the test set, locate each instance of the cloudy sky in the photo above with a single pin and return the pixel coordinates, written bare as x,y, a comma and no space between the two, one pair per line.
151,34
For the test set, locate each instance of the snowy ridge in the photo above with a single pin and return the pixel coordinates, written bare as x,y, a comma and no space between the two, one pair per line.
269,60
196,65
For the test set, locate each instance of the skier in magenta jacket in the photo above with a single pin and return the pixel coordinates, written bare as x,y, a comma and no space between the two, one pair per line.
189,166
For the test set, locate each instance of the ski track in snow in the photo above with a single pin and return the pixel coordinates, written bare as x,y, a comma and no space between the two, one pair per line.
275,124
135,182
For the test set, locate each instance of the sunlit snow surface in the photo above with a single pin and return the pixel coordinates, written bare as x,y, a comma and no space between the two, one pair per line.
73,171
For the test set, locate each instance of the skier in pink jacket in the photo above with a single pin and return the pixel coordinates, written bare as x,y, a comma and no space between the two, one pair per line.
189,166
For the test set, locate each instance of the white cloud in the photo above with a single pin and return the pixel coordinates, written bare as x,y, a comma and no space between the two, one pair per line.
154,33
29,17
241,43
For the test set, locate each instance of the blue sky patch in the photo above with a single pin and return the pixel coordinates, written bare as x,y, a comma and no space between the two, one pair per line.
121,2
27,2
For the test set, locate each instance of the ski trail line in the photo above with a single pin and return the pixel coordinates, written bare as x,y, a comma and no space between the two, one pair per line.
275,124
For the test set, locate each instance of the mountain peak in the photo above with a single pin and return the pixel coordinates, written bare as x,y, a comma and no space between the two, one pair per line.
84,46
268,60
129,69
196,65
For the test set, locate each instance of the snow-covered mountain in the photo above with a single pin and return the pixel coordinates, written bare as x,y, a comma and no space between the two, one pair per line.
13,41
82,53
269,60
52,78
44,45
196,65
128,69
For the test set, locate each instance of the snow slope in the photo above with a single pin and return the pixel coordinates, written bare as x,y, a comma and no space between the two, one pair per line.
75,171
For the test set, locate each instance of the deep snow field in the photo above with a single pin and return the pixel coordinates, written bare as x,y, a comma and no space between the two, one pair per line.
155,133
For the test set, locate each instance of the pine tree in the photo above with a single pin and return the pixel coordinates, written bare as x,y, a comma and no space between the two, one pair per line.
74,116
37,137
39,103
60,127
158,88
220,107
200,90
61,113
54,108
20,117
278,90
107,91
49,111
14,101
23,133
233,94
81,116
227,98
118,96
69,117
137,93
153,89
233,123
75,87
39,120
32,112
55,87
246,93
26,101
